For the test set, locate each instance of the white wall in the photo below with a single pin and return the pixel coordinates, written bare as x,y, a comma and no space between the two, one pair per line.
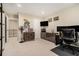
34,23
68,16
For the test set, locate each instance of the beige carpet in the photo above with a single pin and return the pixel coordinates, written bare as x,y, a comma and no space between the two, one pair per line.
38,47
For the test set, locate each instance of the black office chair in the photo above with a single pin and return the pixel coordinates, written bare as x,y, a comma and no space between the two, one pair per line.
68,36
69,39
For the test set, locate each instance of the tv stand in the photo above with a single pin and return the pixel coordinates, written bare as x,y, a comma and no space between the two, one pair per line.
48,36
28,36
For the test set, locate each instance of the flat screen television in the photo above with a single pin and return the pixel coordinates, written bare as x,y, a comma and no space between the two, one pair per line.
44,23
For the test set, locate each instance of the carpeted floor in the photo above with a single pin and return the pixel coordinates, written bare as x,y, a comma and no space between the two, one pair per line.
38,47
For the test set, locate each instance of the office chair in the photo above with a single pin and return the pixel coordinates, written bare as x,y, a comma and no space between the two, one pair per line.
69,39
68,36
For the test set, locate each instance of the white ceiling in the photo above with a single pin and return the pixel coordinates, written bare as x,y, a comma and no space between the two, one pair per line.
35,9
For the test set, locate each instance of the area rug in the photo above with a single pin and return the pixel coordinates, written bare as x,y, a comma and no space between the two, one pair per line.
59,51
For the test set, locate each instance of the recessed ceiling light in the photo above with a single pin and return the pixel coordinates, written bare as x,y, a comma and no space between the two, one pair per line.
19,5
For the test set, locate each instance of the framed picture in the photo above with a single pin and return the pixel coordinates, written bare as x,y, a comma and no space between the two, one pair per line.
56,18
